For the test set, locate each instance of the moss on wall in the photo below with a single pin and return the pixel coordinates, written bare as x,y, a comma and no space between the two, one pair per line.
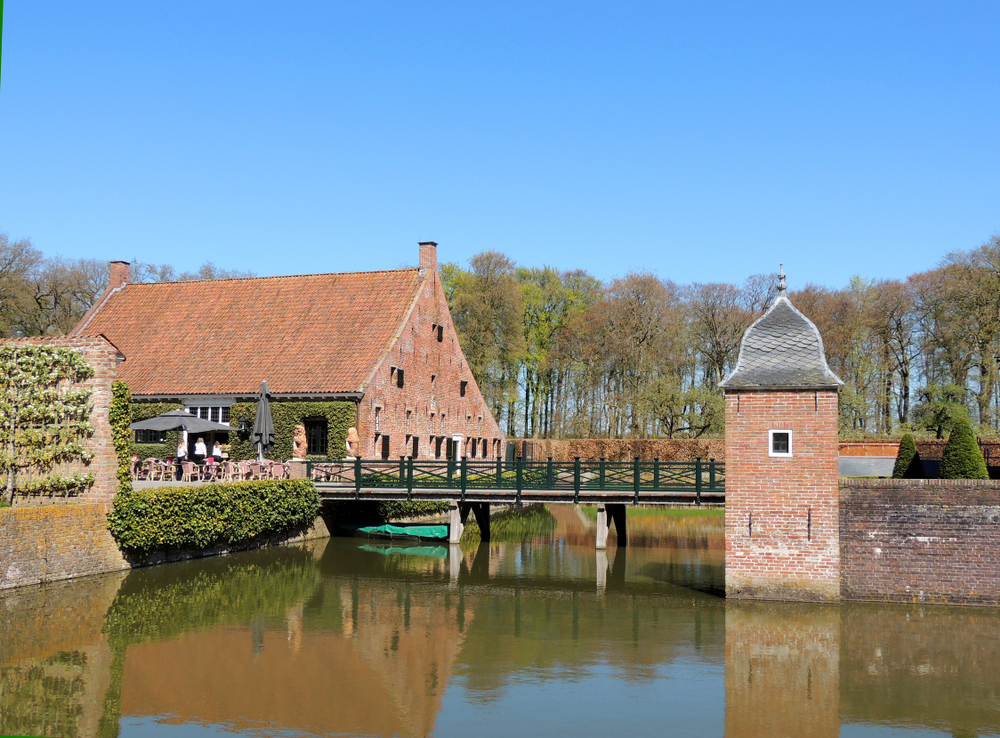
286,415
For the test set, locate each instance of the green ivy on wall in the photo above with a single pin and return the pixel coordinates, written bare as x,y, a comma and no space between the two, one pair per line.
43,420
286,415
120,415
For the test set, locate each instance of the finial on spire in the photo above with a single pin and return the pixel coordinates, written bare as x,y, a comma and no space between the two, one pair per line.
782,286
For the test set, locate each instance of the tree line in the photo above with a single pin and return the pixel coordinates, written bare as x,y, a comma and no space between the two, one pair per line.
560,354
43,296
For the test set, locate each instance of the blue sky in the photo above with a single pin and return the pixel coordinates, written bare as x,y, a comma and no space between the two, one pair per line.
700,141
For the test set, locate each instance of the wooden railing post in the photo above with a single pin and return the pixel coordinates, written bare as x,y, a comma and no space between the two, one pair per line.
697,481
409,478
451,471
576,480
550,475
357,477
465,475
499,473
402,471
636,477
520,477
600,472
711,474
656,473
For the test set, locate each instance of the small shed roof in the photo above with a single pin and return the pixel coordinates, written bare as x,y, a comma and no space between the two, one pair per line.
782,350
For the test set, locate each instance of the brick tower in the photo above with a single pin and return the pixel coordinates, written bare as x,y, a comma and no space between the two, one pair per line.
782,518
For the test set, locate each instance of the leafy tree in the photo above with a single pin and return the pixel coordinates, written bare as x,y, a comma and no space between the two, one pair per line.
908,464
962,458
940,408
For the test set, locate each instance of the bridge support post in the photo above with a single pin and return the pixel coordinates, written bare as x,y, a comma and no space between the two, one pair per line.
612,512
456,522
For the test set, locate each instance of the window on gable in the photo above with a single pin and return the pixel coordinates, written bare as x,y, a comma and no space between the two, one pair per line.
378,415
316,436
462,387
440,333
399,377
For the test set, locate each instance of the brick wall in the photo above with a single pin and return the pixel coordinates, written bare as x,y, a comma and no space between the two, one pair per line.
421,408
920,540
782,517
55,542
103,358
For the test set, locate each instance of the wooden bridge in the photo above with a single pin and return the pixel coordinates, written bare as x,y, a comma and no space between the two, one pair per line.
472,485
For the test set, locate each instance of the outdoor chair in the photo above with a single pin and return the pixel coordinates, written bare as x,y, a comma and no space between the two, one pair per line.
188,469
244,471
230,471
278,470
256,472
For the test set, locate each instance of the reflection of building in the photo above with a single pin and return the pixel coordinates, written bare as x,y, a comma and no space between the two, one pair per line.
383,341
381,672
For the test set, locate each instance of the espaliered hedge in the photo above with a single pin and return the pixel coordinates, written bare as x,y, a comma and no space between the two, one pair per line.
120,415
196,518
286,415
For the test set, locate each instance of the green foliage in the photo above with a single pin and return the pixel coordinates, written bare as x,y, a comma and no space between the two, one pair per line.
940,407
908,464
120,415
513,525
44,418
961,458
56,483
286,415
175,518
145,411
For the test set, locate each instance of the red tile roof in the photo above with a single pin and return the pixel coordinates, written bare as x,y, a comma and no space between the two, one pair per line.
318,333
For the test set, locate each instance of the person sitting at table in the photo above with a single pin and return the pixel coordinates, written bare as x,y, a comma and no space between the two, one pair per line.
217,451
200,452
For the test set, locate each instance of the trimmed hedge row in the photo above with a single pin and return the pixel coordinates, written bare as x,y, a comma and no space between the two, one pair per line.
174,518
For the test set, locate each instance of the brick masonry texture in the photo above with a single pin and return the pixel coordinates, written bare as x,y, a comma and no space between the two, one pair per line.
56,542
103,358
429,406
920,540
782,517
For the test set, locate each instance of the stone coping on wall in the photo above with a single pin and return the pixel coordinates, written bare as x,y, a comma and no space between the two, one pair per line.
885,483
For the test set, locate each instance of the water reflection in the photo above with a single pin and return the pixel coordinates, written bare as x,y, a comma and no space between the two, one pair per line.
528,638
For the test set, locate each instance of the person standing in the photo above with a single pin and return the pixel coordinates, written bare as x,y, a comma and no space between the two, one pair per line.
200,452
181,456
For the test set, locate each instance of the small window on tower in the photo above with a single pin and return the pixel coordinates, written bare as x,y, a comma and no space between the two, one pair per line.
399,377
780,443
440,333
462,387
378,414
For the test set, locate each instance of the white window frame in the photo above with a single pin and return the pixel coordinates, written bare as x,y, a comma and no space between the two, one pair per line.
770,444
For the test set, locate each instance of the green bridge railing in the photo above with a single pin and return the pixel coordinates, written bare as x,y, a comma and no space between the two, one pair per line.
576,476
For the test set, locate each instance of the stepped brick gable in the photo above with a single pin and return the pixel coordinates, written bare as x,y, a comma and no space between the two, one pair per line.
383,339
782,510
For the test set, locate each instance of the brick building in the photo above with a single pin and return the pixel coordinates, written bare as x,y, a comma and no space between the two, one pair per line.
382,340
782,509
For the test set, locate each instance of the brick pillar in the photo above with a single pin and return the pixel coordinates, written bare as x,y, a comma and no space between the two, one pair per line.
782,511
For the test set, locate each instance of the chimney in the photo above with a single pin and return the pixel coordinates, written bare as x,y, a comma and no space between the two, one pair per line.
428,257
119,274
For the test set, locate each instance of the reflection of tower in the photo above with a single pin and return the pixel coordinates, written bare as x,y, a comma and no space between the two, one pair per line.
782,670
782,494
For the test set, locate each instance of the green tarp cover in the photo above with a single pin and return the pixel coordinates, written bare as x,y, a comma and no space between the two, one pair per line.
434,552
423,531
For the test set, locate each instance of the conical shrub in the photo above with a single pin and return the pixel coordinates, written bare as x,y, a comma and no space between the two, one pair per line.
962,458
908,463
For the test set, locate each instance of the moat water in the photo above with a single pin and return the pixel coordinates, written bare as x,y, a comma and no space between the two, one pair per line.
534,634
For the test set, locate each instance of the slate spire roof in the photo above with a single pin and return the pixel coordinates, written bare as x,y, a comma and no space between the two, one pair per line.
782,350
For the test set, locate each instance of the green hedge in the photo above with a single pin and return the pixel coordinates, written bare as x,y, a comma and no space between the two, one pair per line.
286,415
961,458
173,518
908,464
120,415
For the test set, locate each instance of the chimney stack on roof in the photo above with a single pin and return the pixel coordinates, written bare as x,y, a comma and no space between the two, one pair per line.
119,273
428,256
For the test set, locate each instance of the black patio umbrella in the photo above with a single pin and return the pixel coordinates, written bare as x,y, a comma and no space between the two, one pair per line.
179,420
263,426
